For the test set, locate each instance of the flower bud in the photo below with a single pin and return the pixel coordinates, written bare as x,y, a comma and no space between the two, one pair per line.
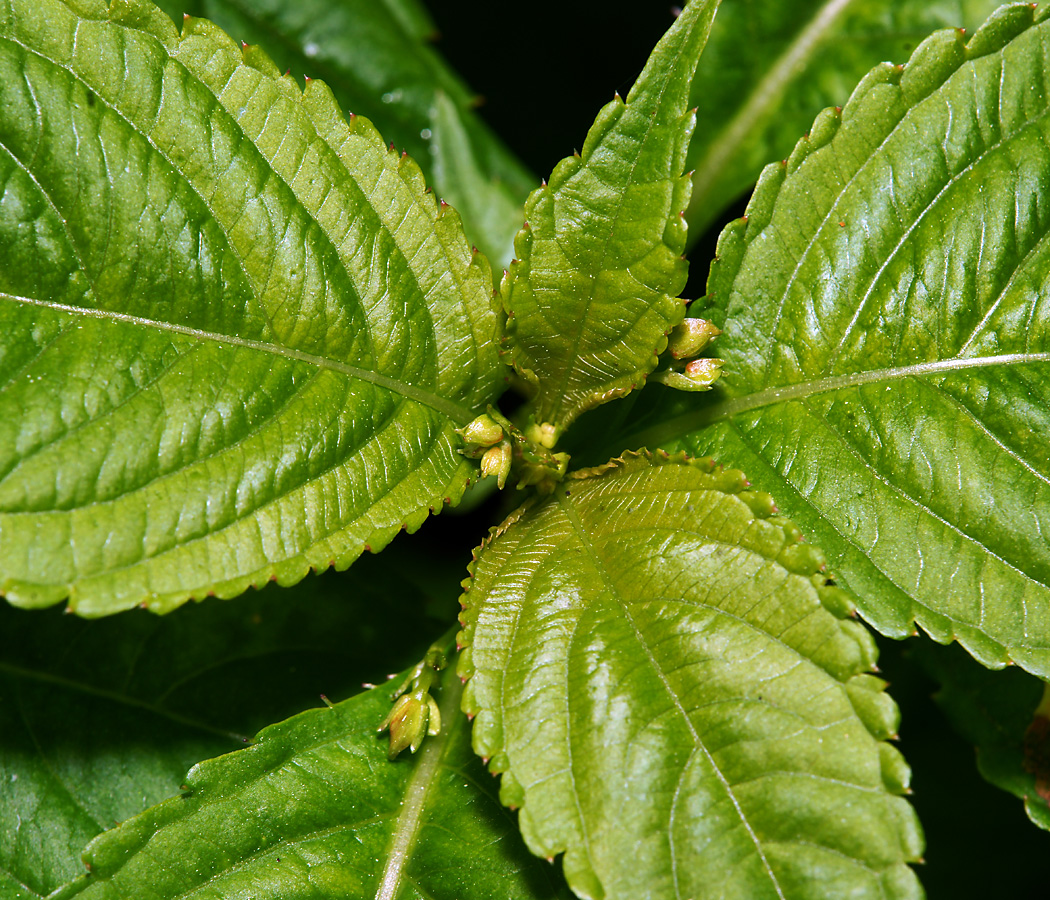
704,372
484,431
699,375
407,722
496,461
542,434
690,337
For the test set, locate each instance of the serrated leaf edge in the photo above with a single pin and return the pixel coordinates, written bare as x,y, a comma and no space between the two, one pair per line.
464,263
876,710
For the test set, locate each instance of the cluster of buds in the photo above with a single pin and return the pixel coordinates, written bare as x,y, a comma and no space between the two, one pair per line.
687,340
414,714
485,438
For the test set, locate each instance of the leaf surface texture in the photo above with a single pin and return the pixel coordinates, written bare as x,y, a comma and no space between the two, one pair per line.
769,68
313,809
887,342
235,333
380,61
669,700
594,292
100,719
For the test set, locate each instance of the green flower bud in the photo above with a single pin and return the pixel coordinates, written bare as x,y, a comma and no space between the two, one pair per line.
407,722
484,431
704,372
496,461
699,375
542,434
690,337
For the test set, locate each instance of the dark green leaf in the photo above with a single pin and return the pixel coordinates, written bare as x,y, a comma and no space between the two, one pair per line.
660,671
887,342
595,292
1003,715
491,209
313,809
769,68
100,719
235,334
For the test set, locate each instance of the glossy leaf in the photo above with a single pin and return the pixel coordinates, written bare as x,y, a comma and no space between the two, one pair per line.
314,809
378,59
886,316
101,719
595,291
660,671
236,336
769,68
1003,714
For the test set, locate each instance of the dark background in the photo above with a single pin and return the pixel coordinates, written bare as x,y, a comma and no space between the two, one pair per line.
543,74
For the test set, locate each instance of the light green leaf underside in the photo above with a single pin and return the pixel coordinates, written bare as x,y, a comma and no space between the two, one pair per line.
672,706
100,719
594,293
995,711
379,61
491,209
313,809
769,68
886,308
235,333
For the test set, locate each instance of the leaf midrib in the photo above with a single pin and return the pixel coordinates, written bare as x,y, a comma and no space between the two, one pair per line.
118,697
459,414
406,829
562,390
678,426
765,95
569,508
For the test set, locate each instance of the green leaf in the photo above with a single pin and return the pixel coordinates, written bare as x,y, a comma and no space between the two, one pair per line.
1004,716
594,295
377,59
887,342
313,809
769,68
491,209
660,672
236,336
101,719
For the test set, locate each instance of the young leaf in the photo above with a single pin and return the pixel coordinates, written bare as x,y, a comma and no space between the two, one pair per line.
661,674
595,292
1006,718
101,719
314,809
768,69
886,341
236,336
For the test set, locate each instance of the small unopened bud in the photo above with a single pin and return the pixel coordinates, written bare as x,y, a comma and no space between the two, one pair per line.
496,461
704,372
699,375
484,431
690,337
542,434
407,722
